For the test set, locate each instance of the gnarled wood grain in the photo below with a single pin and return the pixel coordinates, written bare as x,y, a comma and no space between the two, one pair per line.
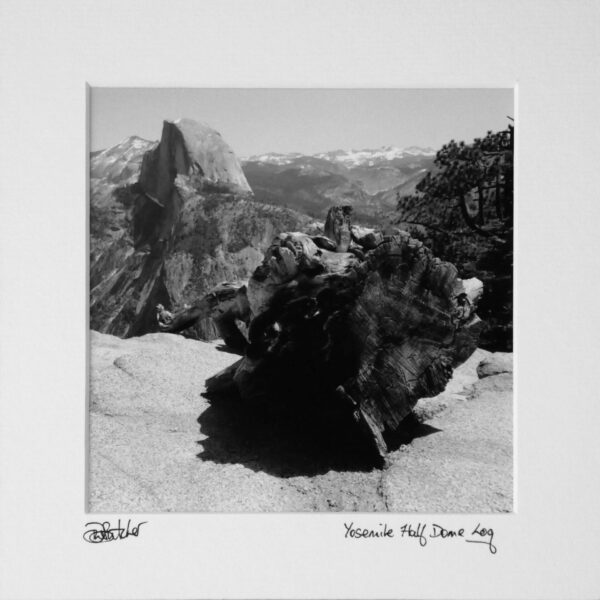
329,330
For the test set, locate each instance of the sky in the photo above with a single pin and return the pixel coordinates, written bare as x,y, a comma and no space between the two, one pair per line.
255,121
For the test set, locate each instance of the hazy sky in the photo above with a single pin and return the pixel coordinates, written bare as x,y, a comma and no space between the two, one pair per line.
254,121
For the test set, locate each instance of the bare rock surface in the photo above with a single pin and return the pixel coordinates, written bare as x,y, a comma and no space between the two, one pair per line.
157,445
149,454
463,460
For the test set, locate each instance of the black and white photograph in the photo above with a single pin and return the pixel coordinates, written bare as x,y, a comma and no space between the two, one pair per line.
298,299
301,300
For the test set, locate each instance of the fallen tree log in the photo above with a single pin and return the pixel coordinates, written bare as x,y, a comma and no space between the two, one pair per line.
226,304
330,330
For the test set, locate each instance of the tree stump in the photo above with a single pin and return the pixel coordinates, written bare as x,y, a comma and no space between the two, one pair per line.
337,227
331,331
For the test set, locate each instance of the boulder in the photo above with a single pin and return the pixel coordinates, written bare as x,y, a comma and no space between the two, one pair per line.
496,363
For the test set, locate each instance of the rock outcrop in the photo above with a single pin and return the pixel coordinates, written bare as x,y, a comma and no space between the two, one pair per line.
495,364
156,445
169,221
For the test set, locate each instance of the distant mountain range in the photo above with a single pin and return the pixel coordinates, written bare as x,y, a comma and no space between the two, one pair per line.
370,180
348,158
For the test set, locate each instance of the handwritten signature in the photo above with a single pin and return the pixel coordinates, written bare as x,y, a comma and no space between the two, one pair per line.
479,534
103,532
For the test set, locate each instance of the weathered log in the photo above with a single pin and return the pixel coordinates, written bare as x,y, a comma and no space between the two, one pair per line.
226,304
369,336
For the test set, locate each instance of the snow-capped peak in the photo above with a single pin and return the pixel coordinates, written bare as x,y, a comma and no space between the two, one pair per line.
122,161
348,158
274,158
352,158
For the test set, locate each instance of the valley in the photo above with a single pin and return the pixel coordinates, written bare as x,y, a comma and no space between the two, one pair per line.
368,180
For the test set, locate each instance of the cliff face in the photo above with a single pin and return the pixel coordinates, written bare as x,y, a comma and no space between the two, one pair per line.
169,221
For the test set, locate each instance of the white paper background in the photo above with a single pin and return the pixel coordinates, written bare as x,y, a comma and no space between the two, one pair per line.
48,50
